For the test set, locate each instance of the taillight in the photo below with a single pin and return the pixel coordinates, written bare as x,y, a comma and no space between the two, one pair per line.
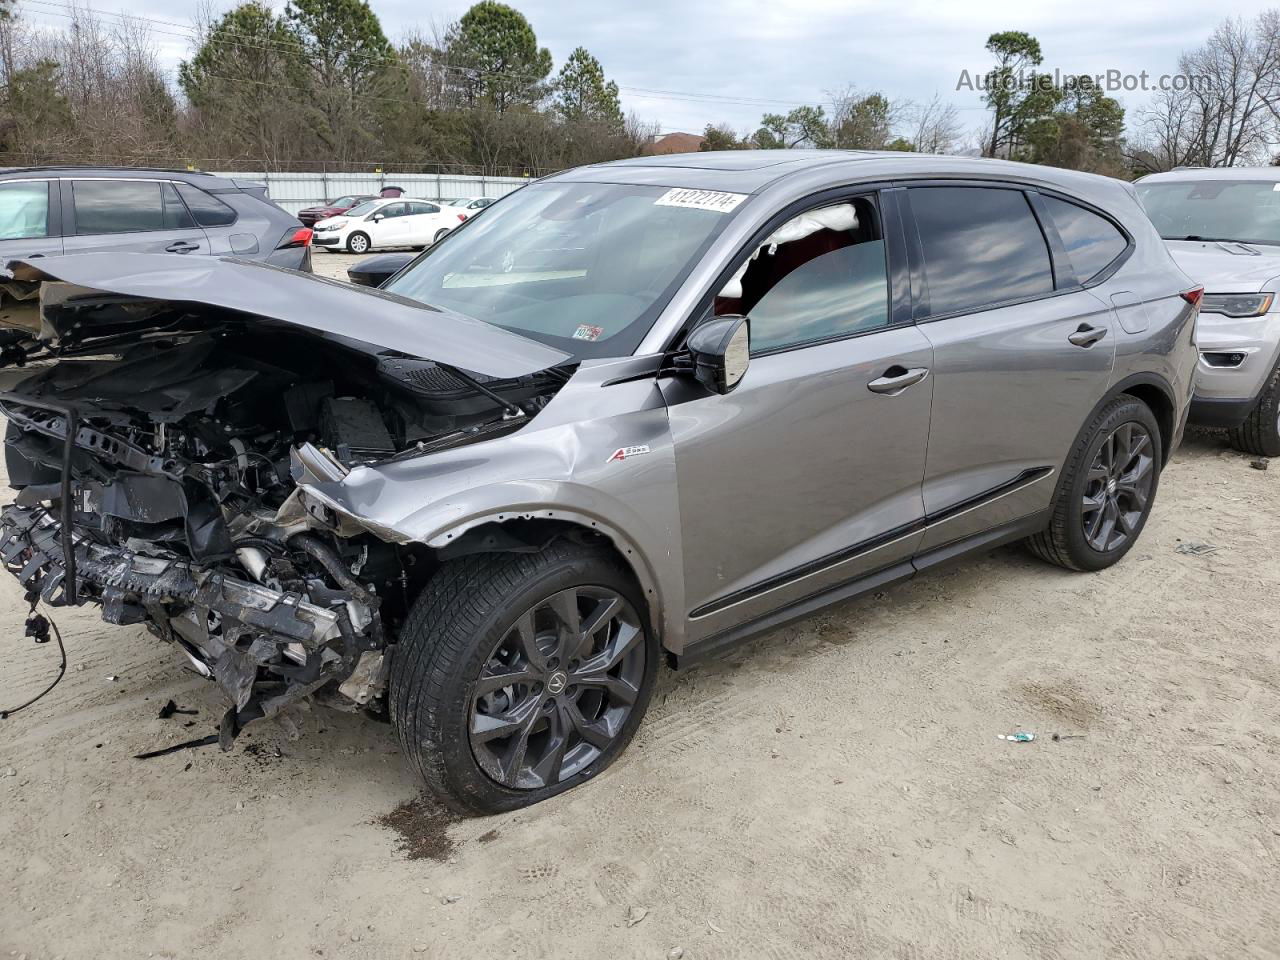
462,216
299,238
1193,296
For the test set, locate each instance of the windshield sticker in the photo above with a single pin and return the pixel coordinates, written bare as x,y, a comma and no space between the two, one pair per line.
700,200
587,332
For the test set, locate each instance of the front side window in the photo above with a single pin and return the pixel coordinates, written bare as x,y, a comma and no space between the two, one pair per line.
820,276
118,206
1246,211
394,210
584,267
981,245
1092,242
24,209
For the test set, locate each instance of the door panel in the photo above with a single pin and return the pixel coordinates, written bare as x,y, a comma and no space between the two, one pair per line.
1011,392
802,477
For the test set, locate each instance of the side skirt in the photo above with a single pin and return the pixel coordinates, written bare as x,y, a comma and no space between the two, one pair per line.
942,556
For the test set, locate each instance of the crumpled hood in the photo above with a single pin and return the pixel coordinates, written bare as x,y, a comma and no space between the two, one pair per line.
303,300
1226,268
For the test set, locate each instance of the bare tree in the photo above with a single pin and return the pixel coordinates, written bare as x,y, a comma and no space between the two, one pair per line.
937,127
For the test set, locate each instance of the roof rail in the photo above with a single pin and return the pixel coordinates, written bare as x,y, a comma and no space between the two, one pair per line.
98,166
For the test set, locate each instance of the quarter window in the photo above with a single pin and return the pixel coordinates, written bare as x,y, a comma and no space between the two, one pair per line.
820,276
207,209
24,210
1092,242
981,246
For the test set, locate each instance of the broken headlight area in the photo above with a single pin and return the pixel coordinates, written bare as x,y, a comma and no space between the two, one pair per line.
163,478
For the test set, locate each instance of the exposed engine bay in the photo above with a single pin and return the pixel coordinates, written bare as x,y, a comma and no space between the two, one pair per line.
158,465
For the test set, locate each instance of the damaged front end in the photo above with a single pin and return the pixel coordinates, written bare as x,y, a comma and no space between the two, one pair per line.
159,464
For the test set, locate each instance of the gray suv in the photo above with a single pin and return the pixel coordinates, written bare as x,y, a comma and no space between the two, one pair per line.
45,211
641,410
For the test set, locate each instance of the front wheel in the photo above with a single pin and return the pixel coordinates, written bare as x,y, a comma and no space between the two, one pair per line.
519,676
1106,489
1260,432
358,243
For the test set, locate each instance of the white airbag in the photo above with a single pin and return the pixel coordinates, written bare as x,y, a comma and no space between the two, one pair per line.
840,217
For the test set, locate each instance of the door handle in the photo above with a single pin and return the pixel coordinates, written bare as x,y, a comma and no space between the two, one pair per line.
1087,336
182,246
896,379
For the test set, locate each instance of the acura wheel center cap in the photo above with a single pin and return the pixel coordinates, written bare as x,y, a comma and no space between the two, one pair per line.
556,683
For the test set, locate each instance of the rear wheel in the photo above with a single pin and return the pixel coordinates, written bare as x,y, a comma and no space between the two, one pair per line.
1260,432
439,234
519,676
358,243
1106,489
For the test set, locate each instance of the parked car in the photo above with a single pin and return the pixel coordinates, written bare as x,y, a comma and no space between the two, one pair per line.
377,224
489,502
331,208
469,205
376,270
1223,228
46,211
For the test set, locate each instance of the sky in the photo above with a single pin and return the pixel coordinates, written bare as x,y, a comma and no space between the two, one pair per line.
683,64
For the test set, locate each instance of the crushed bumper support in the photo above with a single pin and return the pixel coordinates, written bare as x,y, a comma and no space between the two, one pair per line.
229,628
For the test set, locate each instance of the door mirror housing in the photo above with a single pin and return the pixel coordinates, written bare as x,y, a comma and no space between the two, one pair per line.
719,352
375,217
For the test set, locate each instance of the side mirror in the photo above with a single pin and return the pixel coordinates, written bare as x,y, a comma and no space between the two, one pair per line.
375,217
719,352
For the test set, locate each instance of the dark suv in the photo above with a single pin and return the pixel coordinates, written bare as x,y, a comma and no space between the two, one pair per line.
46,211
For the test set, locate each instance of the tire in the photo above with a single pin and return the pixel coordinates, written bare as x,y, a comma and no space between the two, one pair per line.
439,234
1083,500
463,632
358,243
1260,432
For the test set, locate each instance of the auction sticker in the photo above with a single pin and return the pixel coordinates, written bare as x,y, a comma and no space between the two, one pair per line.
715,200
586,331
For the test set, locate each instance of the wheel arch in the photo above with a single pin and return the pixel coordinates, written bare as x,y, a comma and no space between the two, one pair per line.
531,530
1157,393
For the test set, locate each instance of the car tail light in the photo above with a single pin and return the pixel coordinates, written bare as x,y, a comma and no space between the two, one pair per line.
462,216
299,238
1193,296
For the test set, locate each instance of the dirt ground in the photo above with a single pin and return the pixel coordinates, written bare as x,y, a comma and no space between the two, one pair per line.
835,789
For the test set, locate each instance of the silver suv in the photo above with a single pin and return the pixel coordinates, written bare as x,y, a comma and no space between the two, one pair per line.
644,408
45,211
1223,228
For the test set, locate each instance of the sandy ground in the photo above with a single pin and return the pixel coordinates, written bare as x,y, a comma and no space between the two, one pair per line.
835,789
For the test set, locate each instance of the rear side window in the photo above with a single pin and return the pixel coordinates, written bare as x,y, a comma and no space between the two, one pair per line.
207,209
118,206
981,246
24,210
419,207
1092,242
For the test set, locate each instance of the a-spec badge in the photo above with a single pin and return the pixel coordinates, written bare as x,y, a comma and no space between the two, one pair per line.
622,453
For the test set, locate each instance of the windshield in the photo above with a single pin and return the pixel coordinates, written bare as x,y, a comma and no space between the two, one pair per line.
361,209
1241,210
342,202
584,267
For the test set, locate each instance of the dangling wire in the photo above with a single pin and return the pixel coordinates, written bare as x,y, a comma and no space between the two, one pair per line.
38,628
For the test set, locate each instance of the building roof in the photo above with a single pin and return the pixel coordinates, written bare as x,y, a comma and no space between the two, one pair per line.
675,143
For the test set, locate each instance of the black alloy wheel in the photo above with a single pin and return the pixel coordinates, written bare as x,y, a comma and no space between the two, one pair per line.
1118,487
558,688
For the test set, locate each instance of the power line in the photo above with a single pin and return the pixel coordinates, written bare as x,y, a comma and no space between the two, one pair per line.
192,33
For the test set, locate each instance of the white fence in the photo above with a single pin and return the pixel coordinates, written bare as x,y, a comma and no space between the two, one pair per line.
293,191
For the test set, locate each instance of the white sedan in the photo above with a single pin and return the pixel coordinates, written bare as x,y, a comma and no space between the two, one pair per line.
470,206
382,223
